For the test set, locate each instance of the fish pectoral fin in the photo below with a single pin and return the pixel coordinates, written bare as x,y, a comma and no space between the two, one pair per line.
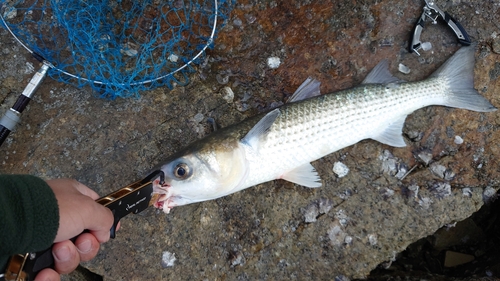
304,175
393,134
380,75
261,128
308,89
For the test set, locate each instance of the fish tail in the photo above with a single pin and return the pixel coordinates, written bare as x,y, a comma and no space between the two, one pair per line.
459,73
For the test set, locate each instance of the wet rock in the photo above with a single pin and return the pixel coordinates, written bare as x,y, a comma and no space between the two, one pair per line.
237,258
425,157
453,259
260,233
442,172
440,189
392,165
414,135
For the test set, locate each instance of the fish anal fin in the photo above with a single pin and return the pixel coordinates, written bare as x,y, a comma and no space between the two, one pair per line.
393,134
380,75
308,89
304,175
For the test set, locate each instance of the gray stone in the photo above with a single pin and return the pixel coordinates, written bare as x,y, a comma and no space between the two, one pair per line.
261,233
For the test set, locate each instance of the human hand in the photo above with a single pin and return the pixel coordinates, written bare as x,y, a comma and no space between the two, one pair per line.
78,211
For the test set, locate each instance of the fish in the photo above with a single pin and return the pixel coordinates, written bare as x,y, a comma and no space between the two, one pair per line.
282,143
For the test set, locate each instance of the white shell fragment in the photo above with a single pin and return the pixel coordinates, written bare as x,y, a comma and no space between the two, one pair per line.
467,192
425,156
227,94
425,202
10,13
273,62
198,117
404,69
311,213
348,240
167,259
372,238
128,49
316,208
438,170
129,52
489,194
173,58
325,205
426,46
340,169
336,235
29,68
458,140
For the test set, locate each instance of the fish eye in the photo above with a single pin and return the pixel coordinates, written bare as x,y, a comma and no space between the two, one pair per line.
181,171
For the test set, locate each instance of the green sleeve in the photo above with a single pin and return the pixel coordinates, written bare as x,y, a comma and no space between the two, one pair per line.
29,215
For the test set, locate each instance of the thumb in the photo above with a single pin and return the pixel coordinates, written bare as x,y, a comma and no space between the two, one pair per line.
83,189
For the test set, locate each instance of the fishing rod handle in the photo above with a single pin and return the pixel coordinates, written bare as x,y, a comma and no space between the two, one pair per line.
11,118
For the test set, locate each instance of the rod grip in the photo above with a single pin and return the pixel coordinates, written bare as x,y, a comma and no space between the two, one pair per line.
4,133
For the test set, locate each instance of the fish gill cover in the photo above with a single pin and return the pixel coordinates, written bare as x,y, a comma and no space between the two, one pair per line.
119,47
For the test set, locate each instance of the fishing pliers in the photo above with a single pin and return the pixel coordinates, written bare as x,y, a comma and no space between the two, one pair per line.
432,12
133,198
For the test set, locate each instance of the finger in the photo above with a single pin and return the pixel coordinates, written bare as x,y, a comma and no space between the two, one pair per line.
100,222
66,256
87,246
48,274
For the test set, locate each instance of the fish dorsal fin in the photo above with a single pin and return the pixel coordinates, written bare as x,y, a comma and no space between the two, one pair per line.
262,127
392,135
380,75
308,89
304,175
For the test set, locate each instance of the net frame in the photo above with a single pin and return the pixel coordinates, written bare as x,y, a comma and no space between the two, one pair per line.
114,89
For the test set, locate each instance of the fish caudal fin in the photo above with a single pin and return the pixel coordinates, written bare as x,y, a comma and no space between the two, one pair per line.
459,73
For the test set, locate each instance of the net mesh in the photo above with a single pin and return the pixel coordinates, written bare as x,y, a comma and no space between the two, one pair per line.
119,47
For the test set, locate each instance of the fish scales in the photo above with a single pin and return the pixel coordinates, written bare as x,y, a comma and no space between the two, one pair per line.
282,143
308,130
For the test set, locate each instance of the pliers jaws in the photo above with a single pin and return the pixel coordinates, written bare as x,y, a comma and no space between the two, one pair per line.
432,12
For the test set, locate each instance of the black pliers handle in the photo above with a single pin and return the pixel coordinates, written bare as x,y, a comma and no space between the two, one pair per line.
432,12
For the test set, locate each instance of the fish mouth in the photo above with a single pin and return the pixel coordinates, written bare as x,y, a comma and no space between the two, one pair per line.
162,193
160,201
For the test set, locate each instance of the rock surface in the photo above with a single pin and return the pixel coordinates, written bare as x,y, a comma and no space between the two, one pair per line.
390,197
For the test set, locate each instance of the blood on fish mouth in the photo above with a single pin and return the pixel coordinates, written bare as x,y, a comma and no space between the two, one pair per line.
162,191
159,205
